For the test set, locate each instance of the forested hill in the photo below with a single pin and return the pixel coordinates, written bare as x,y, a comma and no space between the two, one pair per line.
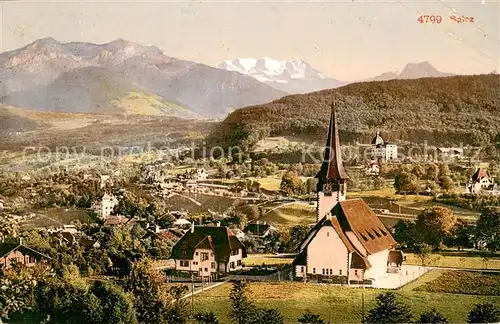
443,111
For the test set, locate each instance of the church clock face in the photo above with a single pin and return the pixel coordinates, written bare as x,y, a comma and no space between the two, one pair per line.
327,188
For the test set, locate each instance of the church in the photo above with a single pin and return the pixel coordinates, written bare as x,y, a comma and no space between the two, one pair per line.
349,242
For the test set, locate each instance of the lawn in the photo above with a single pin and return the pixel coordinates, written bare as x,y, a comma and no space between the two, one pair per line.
268,259
456,260
340,304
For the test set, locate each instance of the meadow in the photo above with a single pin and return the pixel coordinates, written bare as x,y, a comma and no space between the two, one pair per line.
339,304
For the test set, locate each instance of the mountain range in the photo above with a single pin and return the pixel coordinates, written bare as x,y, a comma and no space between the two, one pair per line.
297,76
291,76
122,77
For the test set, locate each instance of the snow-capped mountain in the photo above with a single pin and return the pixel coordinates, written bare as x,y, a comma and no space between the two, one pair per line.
292,76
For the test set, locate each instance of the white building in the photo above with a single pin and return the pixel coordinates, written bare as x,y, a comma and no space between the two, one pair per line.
104,207
481,181
382,149
206,251
349,242
201,174
450,153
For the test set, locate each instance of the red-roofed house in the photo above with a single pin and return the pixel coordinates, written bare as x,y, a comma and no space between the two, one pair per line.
481,180
349,241
207,250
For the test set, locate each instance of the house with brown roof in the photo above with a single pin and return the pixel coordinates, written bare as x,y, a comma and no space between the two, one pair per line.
17,253
481,180
348,242
208,250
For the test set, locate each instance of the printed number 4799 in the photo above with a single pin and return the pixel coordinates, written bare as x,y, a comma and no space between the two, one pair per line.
430,19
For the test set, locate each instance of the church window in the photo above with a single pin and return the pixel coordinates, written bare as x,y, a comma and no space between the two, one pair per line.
356,272
327,234
340,272
331,271
314,270
323,271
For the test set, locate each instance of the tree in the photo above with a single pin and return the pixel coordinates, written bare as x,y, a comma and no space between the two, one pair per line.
488,228
266,316
432,172
310,318
404,233
434,223
378,183
14,295
432,317
484,313
423,252
291,183
206,318
463,234
241,307
153,302
389,310
405,182
116,305
418,171
446,183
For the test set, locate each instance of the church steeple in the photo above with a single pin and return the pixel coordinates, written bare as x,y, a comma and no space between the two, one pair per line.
332,167
332,177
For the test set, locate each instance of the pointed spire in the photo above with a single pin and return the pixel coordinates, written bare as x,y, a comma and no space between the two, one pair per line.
332,167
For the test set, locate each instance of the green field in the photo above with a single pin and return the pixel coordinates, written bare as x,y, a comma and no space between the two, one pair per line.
456,260
464,282
268,259
341,304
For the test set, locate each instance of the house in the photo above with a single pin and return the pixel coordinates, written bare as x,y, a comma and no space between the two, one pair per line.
348,242
382,149
201,174
17,253
182,223
208,250
450,153
119,220
372,168
104,207
259,231
105,180
481,180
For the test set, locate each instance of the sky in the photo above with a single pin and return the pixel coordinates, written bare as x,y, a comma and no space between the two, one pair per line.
347,40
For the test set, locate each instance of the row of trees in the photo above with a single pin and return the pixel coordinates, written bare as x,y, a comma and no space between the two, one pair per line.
438,225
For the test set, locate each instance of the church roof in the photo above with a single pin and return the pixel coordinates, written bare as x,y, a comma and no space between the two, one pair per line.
358,228
332,167
480,174
356,216
378,140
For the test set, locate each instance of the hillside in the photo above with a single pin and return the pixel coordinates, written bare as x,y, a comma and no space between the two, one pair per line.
440,110
20,127
85,77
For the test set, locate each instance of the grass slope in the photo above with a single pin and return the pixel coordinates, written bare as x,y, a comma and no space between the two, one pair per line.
439,110
341,304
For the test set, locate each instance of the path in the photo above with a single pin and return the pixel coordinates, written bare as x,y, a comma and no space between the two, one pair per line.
192,293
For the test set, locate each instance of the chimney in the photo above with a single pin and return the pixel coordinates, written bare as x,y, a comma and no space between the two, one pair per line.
264,222
157,229
192,227
20,241
218,224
